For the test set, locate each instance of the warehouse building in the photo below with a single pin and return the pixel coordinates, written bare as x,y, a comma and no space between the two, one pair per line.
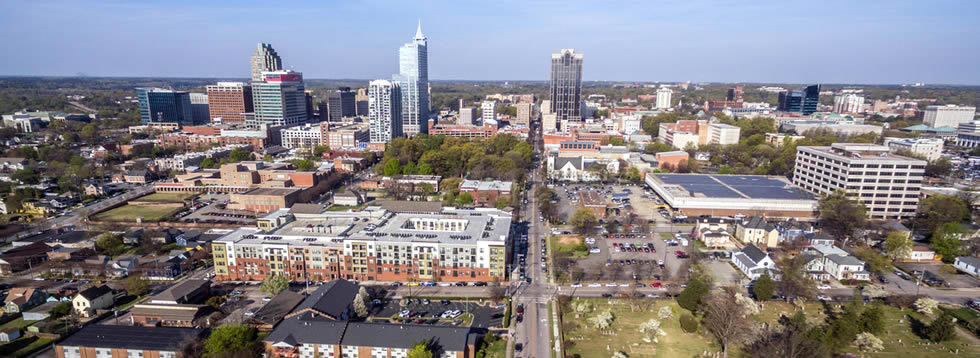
730,195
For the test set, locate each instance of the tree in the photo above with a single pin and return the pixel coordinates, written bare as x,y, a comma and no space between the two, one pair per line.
840,216
693,295
946,241
942,329
208,163
231,339
867,342
583,220
794,281
939,168
425,169
665,313
109,244
273,284
392,168
603,321
725,318
320,149
925,305
410,169
241,154
688,323
940,209
136,285
361,302
764,287
465,199
897,245
304,164
872,319
501,202
216,301
875,260
61,309
26,176
421,350
652,330
794,339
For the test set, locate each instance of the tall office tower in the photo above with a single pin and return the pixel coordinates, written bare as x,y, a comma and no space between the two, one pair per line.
566,86
460,105
467,115
323,111
163,105
384,110
802,101
308,95
663,97
413,79
949,115
488,112
848,103
525,111
199,108
361,102
280,99
342,104
888,184
736,96
229,101
264,59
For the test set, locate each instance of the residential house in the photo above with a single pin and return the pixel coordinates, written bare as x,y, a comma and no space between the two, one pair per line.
122,266
712,231
921,253
24,257
11,164
753,262
813,265
333,300
755,230
110,341
792,229
92,299
818,239
485,193
20,299
94,190
346,198
846,268
9,334
968,264
273,312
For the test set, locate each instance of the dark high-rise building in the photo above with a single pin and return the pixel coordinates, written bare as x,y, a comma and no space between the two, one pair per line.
309,105
342,104
163,105
566,85
736,95
323,112
803,101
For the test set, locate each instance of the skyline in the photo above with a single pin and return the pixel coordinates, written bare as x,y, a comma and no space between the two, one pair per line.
716,41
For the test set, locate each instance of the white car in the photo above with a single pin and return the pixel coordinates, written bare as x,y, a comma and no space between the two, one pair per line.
595,285
576,285
624,285
823,287
611,284
445,284
823,297
404,313
595,250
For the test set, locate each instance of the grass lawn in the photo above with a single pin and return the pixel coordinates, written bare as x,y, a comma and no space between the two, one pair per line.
17,323
23,346
165,197
665,235
898,327
625,335
572,244
131,212
345,208
497,349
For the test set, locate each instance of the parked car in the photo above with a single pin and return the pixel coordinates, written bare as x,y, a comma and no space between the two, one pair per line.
823,287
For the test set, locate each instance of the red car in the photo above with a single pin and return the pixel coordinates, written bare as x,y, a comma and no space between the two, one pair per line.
656,284
615,245
678,252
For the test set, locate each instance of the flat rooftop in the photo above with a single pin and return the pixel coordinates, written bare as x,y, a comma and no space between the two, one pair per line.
590,198
270,191
860,151
731,186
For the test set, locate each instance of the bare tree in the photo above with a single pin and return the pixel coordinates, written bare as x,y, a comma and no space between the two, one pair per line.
616,272
725,318
638,302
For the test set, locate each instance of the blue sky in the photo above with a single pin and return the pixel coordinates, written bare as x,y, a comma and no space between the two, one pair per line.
826,41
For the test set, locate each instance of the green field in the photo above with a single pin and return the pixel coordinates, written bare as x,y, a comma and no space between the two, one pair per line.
586,341
19,323
130,212
165,197
572,244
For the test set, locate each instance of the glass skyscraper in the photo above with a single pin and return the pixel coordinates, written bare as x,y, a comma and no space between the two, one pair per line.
413,79
802,101
163,105
566,85
264,59
280,99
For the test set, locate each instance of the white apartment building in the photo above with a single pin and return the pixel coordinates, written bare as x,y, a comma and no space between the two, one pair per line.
630,124
349,137
663,97
488,112
384,110
949,115
848,103
888,184
929,148
723,134
968,135
303,136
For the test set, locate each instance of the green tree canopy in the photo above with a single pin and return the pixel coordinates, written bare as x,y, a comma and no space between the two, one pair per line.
273,284
840,216
693,295
421,350
939,209
230,340
583,220
392,168
764,287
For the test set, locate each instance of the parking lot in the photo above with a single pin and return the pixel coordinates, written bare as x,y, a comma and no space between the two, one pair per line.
209,209
932,274
426,311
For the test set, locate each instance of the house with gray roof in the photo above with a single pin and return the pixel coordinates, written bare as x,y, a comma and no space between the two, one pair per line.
753,262
848,267
187,291
756,230
333,300
968,264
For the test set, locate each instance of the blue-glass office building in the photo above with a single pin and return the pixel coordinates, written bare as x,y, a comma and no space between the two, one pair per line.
163,105
803,101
